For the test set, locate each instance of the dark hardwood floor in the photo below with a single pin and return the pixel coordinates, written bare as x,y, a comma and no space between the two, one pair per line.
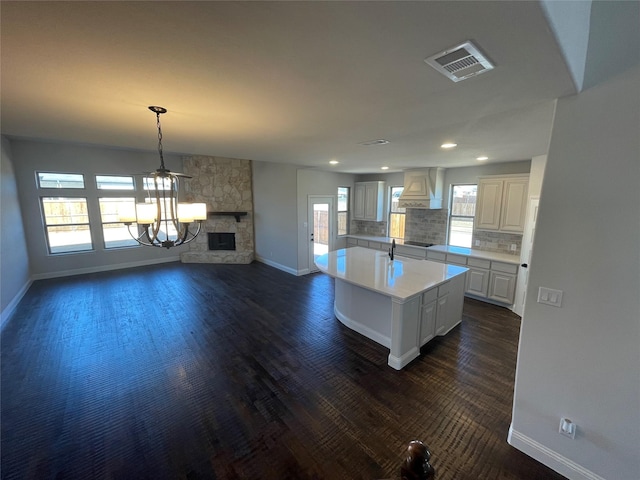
186,371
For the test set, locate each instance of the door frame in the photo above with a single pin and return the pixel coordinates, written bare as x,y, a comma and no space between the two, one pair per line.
317,199
528,238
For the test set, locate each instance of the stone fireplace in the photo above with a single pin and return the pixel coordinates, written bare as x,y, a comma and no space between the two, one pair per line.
224,184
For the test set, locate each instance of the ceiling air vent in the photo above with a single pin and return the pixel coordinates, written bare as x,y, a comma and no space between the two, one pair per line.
460,62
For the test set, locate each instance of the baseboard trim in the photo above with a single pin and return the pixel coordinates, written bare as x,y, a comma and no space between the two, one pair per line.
550,458
277,265
11,307
103,268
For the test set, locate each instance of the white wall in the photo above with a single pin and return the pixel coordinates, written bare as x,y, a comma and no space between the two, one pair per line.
275,214
14,259
32,156
582,360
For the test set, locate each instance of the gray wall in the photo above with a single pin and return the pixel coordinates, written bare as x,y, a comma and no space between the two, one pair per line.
31,156
582,360
275,214
14,259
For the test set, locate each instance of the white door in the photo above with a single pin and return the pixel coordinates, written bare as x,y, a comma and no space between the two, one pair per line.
525,255
321,229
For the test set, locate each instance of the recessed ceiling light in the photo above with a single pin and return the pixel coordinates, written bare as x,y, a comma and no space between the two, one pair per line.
449,145
334,162
482,158
380,141
384,168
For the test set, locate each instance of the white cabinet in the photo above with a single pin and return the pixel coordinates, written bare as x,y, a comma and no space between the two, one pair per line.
502,282
478,277
440,311
502,202
368,201
486,279
428,316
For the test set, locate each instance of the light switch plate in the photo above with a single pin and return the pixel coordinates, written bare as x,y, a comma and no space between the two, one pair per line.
549,296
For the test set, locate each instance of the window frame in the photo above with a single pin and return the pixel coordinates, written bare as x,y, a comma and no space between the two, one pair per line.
47,225
133,243
451,215
347,212
395,212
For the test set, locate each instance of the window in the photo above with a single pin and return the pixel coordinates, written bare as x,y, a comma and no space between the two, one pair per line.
343,210
66,222
115,233
60,180
462,213
396,214
110,182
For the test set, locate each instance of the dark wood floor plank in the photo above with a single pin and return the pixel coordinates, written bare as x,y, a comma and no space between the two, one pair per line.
186,371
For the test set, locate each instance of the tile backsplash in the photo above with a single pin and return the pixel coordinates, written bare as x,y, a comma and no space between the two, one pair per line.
497,242
430,226
422,225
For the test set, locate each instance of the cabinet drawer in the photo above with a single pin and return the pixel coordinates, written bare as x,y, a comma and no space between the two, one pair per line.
504,267
456,259
429,296
374,245
436,256
444,289
352,242
410,252
478,262
363,243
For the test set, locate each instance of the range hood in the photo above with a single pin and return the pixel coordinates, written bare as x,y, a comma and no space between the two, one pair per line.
422,188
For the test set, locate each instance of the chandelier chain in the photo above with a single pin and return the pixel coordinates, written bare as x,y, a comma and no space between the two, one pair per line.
162,167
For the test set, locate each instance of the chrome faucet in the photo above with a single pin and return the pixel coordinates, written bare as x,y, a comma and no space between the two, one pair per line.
392,249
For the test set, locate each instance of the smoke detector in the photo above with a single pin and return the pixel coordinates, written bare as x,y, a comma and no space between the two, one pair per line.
460,62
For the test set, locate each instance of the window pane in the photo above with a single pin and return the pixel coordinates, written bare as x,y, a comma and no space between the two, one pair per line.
60,180
163,183
67,224
461,232
117,235
464,200
343,199
110,208
395,196
64,211
106,182
396,225
69,238
342,223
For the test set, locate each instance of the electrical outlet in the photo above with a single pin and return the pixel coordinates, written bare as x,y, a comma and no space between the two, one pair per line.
477,243
513,247
567,428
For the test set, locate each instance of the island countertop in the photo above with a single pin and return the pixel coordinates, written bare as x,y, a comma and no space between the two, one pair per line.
401,278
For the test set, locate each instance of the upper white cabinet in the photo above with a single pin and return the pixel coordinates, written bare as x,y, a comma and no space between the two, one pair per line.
502,203
369,201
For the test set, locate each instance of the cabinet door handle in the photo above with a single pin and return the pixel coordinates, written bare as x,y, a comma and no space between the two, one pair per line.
524,265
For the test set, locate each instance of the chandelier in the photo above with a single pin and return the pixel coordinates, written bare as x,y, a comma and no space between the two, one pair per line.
164,221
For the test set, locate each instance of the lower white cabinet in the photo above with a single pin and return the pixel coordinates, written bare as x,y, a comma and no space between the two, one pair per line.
478,276
502,287
428,316
441,314
489,279
477,282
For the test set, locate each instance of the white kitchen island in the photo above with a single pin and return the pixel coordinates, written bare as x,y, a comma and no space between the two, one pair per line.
400,304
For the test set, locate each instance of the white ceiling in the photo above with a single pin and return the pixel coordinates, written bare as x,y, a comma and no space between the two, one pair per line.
292,82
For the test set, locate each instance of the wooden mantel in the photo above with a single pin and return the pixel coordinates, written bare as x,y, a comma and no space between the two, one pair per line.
237,215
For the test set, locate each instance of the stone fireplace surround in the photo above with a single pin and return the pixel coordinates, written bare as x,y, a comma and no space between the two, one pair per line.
224,184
